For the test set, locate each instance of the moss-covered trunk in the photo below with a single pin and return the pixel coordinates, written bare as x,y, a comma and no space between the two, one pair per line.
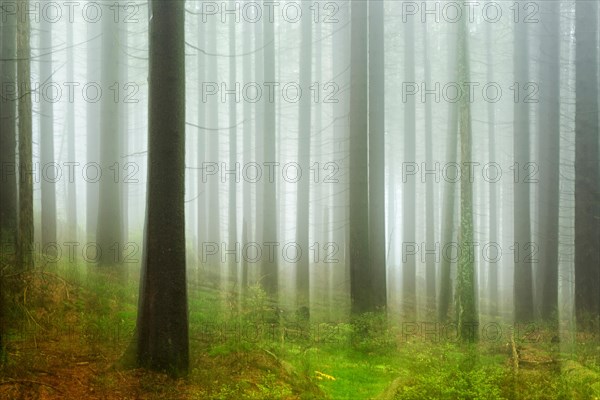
466,309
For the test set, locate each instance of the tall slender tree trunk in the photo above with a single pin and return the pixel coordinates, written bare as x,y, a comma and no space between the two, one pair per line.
429,201
320,190
232,212
3,104
359,183
259,132
94,45
71,203
587,179
247,144
493,281
269,214
162,326
125,167
523,280
466,302
549,154
340,40
448,209
110,214
303,187
7,148
48,178
201,151
279,199
25,239
212,185
8,128
409,268
377,155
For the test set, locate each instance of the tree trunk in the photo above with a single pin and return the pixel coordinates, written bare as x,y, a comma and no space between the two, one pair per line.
109,229
360,279
377,156
303,187
523,283
429,200
125,167
201,151
259,132
448,209
48,178
549,153
269,228
247,143
409,275
340,40
587,179
493,193
71,203
8,129
466,302
94,47
212,184
232,212
162,326
25,254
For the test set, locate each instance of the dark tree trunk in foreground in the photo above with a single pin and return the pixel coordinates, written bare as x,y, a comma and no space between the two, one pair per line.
8,219
162,326
2,255
587,179
8,129
25,234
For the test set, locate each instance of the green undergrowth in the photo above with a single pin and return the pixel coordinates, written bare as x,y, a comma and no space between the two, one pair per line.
251,348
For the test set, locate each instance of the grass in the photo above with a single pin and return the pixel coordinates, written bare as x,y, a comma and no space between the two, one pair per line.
67,329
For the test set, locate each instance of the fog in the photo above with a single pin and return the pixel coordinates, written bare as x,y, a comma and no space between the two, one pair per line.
431,162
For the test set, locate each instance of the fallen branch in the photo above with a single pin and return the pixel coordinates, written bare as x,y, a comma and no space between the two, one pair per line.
27,381
537,362
582,371
515,354
390,392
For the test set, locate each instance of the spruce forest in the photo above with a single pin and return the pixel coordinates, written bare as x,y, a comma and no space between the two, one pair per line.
299,199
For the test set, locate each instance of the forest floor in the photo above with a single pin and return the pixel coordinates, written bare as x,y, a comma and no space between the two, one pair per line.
69,334
66,331
57,369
